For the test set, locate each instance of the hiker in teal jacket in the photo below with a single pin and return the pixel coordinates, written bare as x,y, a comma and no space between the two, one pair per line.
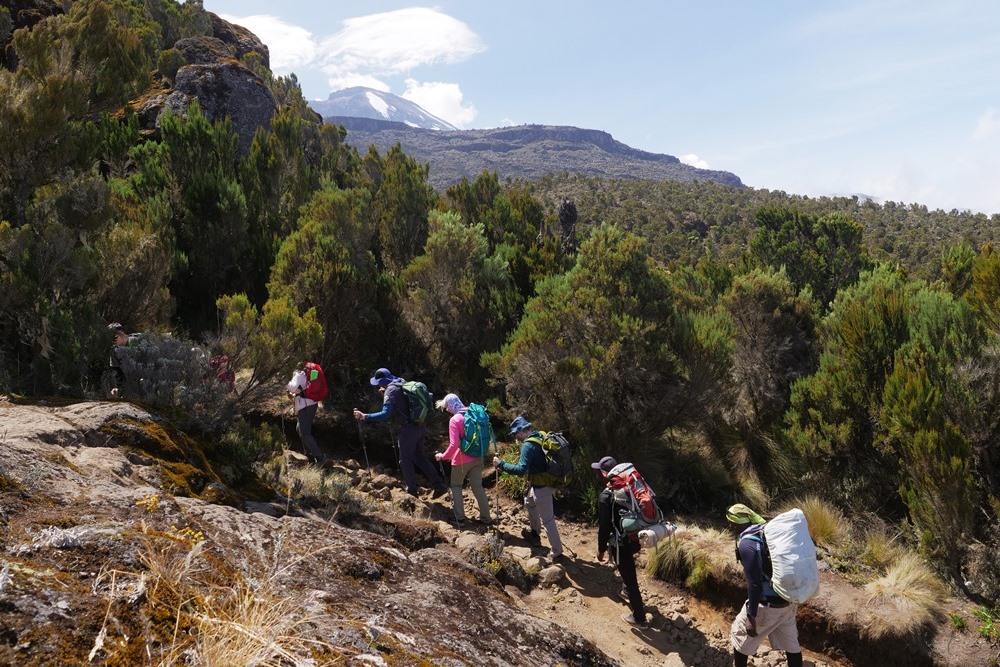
538,502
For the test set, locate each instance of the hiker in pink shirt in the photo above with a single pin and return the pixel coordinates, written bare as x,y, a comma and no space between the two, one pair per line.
463,466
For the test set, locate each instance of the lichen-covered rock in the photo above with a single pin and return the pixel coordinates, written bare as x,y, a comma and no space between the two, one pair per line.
241,40
102,564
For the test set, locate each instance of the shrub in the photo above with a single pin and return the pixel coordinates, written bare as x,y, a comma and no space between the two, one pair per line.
904,600
247,447
172,373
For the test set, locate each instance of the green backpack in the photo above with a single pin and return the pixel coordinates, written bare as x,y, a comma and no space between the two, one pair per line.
478,432
419,399
558,461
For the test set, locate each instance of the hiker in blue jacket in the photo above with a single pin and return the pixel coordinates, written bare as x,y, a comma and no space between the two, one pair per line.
538,502
411,435
765,613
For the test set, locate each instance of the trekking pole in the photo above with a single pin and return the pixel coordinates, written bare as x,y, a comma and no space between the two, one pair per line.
368,465
395,446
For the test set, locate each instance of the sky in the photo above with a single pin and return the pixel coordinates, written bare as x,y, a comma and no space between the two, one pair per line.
894,99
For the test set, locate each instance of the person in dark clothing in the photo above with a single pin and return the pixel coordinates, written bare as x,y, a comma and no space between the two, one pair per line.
623,547
538,501
765,613
411,435
122,341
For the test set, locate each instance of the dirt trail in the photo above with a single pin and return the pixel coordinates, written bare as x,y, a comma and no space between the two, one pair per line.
683,630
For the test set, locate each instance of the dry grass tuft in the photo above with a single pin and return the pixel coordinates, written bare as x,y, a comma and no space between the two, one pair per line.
881,549
696,557
827,525
904,600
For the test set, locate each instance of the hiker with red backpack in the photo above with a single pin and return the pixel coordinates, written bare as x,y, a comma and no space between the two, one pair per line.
534,465
623,545
765,613
307,388
398,405
469,439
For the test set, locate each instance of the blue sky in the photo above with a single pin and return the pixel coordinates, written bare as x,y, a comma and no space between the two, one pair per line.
899,100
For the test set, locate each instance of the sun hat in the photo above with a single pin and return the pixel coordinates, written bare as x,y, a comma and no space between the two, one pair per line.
741,514
518,425
381,377
451,402
605,464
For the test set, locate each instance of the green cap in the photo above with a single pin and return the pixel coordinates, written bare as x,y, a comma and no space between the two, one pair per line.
740,514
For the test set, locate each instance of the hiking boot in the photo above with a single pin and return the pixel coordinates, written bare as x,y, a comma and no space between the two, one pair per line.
623,594
439,491
555,558
531,536
630,619
485,522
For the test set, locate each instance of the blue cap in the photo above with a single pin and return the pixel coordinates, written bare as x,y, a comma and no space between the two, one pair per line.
518,425
382,376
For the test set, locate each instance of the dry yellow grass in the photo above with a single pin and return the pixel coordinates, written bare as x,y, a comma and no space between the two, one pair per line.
904,600
881,549
693,556
827,525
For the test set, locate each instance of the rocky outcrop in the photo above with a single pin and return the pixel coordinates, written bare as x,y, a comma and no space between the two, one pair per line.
222,89
241,40
214,75
103,562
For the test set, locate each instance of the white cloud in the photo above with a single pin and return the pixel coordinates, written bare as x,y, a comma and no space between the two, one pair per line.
987,125
393,43
290,46
693,160
444,100
351,80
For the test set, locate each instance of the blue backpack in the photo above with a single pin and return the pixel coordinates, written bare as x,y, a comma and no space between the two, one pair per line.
478,432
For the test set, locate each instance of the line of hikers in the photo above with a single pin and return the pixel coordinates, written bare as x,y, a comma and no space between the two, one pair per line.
627,513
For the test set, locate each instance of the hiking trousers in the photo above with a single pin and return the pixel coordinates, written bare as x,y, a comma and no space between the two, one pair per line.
303,426
775,623
538,502
472,471
412,456
624,558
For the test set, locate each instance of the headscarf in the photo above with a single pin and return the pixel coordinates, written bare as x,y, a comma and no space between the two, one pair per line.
452,403
741,514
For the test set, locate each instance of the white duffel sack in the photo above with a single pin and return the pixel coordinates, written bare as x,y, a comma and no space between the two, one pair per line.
794,571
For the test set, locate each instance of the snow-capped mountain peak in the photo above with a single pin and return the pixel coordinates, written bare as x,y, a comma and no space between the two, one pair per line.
361,102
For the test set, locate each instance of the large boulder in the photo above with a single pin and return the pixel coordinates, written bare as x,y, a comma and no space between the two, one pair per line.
222,89
241,40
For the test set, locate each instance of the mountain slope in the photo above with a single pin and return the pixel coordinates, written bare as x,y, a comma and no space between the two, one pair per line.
525,151
364,102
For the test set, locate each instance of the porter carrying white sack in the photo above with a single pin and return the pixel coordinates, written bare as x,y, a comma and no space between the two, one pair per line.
794,571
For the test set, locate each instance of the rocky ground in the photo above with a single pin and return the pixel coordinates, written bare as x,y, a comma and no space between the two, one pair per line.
125,543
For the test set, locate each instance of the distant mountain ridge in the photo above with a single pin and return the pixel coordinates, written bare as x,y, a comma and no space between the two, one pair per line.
523,151
373,117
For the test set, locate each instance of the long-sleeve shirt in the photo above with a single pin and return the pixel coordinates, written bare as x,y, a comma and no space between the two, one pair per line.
751,555
456,431
532,460
393,403
296,386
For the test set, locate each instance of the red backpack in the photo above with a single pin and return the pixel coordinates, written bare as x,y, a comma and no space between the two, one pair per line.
315,382
633,495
